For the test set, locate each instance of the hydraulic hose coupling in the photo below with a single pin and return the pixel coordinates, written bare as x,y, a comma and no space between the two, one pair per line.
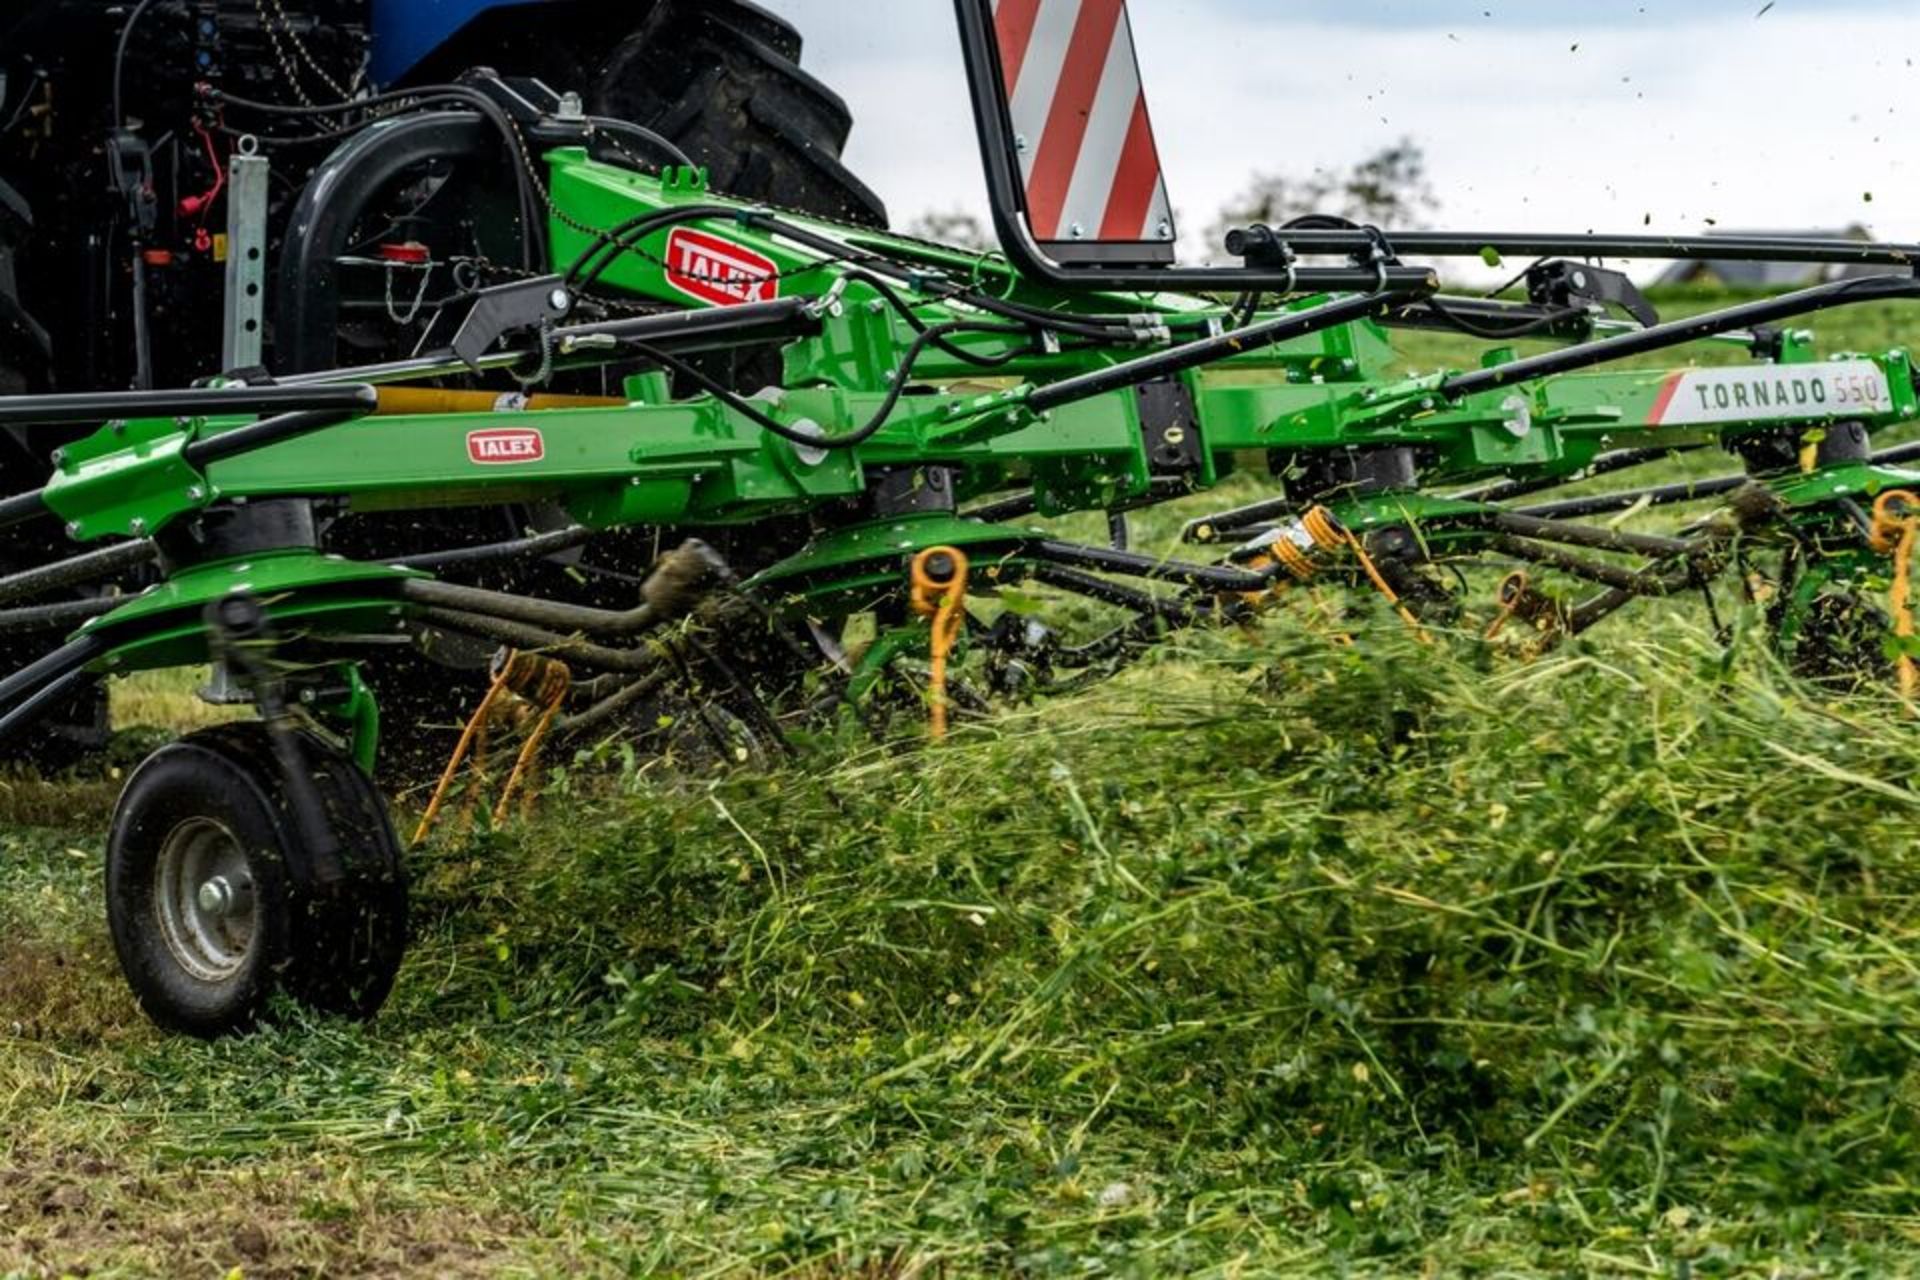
1303,546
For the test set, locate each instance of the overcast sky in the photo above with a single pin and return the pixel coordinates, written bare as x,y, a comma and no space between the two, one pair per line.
1673,115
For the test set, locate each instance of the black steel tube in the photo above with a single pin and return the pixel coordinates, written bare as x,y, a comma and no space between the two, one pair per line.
1801,302
1208,528
24,716
107,406
1604,464
1474,244
1640,582
78,571
613,704
1898,454
1152,568
1588,612
1579,535
1098,588
22,507
54,666
545,544
522,636
1665,495
1016,507
1192,355
550,614
61,616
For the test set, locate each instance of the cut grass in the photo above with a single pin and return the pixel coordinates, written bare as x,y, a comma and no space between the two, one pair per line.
1274,955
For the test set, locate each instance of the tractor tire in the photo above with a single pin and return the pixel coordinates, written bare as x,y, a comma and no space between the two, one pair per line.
721,79
723,82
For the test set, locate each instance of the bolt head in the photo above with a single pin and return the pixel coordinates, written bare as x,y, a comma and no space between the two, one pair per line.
137,527
561,301
214,896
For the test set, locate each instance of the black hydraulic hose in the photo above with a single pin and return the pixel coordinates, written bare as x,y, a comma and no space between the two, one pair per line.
1882,288
608,245
648,137
534,243
1192,355
78,571
208,450
105,406
896,387
120,61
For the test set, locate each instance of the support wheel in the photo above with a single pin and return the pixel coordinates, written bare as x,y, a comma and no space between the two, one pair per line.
208,910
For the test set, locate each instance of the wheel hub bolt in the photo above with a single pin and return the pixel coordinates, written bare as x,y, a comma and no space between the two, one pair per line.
216,897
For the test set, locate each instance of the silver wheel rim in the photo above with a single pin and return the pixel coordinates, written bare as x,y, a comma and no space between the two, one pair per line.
204,899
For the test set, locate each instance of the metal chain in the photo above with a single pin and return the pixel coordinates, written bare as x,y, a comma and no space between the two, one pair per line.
299,46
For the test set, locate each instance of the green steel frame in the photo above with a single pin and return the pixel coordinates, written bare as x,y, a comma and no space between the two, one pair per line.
961,366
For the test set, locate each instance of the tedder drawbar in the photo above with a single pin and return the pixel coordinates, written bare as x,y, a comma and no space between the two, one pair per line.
930,400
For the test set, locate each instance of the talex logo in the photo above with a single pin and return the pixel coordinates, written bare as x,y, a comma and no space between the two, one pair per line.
719,271
504,448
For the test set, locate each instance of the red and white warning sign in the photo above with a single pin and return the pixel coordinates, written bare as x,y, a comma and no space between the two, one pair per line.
718,271
1772,392
505,447
1080,119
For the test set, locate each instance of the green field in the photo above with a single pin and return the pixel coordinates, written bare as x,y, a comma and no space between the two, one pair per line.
1275,955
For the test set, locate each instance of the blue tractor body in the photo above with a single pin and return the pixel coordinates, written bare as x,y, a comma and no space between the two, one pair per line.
406,31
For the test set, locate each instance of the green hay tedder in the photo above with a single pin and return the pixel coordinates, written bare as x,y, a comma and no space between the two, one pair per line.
928,401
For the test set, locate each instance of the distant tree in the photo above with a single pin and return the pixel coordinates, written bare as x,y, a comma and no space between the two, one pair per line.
956,227
1388,189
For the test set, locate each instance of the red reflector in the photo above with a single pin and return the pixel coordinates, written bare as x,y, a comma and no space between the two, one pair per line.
411,252
158,257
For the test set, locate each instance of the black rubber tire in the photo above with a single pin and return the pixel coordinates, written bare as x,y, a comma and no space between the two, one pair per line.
720,78
709,77
336,951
